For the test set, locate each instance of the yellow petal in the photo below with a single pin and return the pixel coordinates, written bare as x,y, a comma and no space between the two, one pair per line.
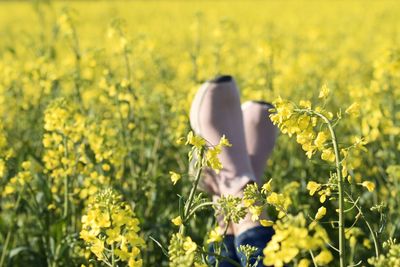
320,213
177,221
266,223
369,185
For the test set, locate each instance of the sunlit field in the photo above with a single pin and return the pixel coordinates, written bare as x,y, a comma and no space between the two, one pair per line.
95,140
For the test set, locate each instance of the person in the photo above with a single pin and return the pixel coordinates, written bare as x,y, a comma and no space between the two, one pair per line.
216,111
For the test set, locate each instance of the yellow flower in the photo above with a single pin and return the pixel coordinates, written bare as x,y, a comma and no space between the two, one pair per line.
123,254
189,246
320,213
2,168
87,236
120,218
255,211
359,143
26,165
303,122
135,263
106,167
273,199
248,202
322,198
195,140
103,219
320,140
324,257
369,185
353,110
99,234
9,190
97,248
284,111
266,223
214,236
328,155
324,92
113,235
367,243
305,104
304,263
175,177
309,153
212,158
180,141
266,188
177,221
313,187
224,141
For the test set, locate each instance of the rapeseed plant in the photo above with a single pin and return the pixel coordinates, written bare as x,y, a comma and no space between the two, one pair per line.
110,230
89,101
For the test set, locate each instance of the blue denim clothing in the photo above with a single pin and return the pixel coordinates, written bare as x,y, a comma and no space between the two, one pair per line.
257,237
228,250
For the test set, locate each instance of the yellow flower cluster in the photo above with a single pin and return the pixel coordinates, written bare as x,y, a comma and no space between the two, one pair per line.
195,140
324,191
393,172
293,238
210,159
208,153
377,113
182,252
19,182
215,235
110,230
5,152
92,183
63,142
391,257
175,177
255,200
177,221
301,121
212,154
127,93
65,23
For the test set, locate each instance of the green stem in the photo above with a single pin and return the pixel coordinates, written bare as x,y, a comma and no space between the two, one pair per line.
368,225
221,245
189,203
127,66
372,233
112,245
66,189
226,259
57,252
112,256
313,258
198,207
192,193
342,248
8,237
3,254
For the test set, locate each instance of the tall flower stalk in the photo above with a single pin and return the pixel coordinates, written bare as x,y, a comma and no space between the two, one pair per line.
182,250
342,247
314,131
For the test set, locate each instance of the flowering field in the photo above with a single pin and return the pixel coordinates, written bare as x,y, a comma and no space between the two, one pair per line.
95,135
